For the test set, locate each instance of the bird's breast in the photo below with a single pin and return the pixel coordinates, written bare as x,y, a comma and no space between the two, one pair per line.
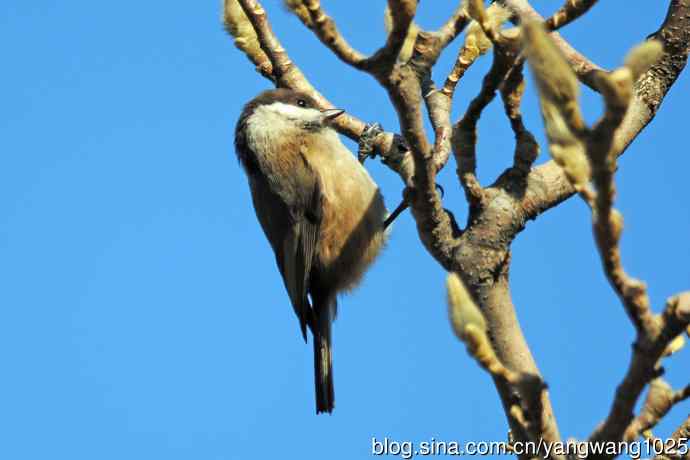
352,227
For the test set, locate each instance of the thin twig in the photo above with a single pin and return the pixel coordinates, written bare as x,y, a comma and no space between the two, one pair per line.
583,67
570,11
680,438
526,146
465,131
453,26
326,30
660,400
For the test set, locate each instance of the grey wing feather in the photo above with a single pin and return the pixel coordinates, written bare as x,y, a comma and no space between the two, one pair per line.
301,250
295,243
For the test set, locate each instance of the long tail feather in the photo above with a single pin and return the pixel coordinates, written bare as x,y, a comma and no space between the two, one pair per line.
323,363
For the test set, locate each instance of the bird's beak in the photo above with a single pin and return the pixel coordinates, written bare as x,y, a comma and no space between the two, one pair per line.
330,114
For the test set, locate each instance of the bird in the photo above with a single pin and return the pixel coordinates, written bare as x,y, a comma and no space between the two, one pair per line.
319,208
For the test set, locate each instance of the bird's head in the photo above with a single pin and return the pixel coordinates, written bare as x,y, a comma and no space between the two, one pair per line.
288,108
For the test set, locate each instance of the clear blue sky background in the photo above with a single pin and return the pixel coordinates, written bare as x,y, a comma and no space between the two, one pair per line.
141,314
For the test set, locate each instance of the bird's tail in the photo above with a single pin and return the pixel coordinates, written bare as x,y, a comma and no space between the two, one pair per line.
323,363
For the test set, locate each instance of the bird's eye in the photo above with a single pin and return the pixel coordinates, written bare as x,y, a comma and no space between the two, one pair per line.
301,102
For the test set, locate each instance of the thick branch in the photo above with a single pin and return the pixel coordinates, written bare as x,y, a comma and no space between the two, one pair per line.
437,229
490,287
525,407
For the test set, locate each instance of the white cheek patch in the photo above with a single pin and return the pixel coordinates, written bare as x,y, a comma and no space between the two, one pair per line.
265,118
293,112
287,110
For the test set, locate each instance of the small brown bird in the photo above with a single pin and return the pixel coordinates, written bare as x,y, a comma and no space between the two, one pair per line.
319,208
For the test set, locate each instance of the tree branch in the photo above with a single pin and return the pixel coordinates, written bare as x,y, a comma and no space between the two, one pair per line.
681,435
525,407
324,27
660,400
547,184
643,368
583,67
526,146
570,11
465,131
402,13
453,26
585,153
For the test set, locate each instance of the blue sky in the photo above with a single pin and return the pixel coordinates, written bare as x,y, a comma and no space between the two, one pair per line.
142,316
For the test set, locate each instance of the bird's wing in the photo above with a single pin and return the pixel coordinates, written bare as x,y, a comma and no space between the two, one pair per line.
295,239
299,254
